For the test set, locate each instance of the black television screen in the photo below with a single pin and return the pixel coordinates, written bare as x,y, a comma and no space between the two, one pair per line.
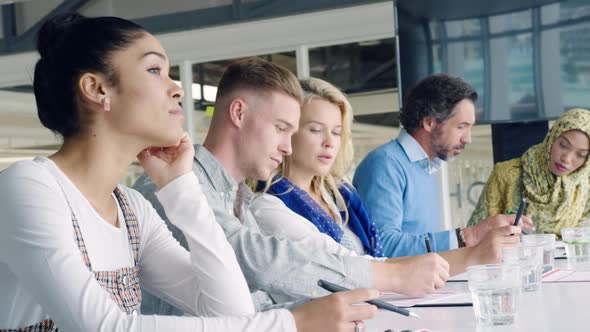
528,59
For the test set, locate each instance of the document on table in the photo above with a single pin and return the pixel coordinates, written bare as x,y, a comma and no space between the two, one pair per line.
559,275
436,299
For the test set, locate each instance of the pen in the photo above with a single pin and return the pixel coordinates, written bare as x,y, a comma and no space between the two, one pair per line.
378,303
428,246
441,305
520,211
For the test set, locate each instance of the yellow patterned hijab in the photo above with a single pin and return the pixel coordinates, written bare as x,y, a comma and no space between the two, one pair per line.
556,201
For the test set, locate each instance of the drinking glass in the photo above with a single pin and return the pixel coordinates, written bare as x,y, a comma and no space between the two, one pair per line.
530,260
577,243
495,289
547,241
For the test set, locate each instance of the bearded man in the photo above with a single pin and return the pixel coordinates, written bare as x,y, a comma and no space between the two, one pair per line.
397,180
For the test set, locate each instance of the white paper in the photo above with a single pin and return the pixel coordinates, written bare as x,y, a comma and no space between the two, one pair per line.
558,275
439,297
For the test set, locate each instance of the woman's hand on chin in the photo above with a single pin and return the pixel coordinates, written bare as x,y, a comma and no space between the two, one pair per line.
164,164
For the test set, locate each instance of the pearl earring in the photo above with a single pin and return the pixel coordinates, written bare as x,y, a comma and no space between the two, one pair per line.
106,104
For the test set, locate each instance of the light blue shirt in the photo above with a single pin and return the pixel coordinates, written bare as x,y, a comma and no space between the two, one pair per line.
416,154
397,183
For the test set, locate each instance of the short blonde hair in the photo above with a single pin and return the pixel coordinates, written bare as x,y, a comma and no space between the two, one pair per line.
315,88
258,76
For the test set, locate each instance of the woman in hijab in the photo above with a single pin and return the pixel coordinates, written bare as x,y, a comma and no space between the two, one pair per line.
552,175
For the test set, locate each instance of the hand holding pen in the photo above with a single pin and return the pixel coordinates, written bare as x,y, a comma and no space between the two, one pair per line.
378,303
527,223
336,312
474,234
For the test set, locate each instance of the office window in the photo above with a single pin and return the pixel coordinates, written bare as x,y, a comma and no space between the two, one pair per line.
574,47
356,67
206,76
511,21
463,28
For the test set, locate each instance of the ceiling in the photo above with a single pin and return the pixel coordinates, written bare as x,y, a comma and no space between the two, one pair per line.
447,9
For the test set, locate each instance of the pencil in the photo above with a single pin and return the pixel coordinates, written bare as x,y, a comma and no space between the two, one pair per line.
378,303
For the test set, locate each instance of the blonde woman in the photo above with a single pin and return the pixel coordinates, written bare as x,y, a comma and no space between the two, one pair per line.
310,181
309,197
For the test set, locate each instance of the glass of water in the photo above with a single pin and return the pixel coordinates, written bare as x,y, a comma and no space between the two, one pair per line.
547,241
495,289
530,260
577,243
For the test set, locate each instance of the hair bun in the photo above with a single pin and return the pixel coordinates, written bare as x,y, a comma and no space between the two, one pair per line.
54,31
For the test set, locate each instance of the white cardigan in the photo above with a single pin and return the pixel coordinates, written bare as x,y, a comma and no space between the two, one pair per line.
42,274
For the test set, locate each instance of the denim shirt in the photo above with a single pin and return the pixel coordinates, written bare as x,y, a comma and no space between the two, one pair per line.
287,270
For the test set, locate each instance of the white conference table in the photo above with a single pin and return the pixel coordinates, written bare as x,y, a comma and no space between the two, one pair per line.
556,307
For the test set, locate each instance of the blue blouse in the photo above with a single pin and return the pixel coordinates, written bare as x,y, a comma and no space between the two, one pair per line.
359,221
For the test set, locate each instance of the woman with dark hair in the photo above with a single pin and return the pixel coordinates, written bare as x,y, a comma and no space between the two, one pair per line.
75,246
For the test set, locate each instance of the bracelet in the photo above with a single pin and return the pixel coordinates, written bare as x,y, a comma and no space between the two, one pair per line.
460,237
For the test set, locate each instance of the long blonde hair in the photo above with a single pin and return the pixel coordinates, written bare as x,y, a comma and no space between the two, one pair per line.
315,88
